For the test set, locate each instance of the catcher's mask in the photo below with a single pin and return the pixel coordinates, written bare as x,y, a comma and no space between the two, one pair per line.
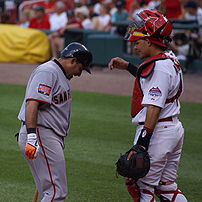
152,25
80,52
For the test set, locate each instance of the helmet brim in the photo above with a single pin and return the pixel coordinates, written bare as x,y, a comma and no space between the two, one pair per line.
87,69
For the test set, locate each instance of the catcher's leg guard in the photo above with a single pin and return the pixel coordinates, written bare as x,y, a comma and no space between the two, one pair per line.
133,189
168,192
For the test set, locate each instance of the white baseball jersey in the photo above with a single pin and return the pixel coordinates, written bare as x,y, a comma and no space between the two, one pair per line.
49,85
161,84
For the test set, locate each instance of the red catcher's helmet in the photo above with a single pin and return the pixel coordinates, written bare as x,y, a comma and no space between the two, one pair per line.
151,24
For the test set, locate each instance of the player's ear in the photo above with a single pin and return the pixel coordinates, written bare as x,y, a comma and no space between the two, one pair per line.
73,60
149,42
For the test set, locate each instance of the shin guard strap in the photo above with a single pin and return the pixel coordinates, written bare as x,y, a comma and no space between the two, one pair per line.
150,193
133,189
174,192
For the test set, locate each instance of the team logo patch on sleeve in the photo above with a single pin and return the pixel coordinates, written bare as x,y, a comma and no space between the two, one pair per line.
44,89
155,93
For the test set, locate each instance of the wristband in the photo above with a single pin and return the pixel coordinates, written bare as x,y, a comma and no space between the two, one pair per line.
145,137
132,69
31,130
149,130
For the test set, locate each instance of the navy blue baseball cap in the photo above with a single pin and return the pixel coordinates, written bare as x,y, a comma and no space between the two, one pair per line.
80,52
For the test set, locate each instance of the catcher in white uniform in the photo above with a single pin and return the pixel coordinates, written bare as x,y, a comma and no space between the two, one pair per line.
155,107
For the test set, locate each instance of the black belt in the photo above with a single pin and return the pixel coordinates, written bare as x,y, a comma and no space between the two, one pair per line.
160,120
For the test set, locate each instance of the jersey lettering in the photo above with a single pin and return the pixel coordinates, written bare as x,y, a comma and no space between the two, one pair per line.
65,96
62,97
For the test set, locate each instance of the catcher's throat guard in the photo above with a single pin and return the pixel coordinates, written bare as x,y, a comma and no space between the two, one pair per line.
137,166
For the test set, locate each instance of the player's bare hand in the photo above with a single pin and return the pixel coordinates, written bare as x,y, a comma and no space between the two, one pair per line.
118,63
130,154
133,152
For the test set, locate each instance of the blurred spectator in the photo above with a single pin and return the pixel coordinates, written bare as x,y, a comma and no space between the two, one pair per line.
41,20
193,12
24,18
59,18
4,18
136,7
48,5
79,20
11,10
81,3
112,7
82,13
103,21
17,3
69,4
154,4
128,4
171,8
97,4
2,6
120,15
180,46
90,6
199,3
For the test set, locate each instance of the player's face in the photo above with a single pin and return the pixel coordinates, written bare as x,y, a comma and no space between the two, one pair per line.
75,69
141,48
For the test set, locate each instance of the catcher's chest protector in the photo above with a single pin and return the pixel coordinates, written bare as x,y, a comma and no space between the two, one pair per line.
144,70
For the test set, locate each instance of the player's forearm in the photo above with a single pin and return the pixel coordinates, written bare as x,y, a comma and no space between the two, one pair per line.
152,116
150,122
31,113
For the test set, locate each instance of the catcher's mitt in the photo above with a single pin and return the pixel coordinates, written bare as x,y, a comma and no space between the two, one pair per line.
137,166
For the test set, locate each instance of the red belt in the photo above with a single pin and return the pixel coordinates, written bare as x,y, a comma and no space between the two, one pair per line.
160,120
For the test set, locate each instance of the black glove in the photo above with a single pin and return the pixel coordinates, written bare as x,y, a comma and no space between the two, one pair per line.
137,166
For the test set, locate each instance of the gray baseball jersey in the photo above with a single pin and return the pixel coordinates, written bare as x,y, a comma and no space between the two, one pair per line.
49,85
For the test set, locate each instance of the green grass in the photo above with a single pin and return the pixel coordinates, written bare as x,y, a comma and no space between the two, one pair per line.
100,130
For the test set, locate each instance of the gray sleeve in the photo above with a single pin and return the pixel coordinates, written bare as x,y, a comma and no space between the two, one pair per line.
41,87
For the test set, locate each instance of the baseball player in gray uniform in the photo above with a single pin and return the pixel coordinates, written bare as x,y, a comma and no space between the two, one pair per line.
45,119
155,107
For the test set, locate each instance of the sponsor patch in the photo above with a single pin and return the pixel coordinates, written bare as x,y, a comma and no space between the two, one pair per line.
44,89
155,93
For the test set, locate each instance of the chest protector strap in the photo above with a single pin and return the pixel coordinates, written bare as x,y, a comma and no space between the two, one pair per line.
144,70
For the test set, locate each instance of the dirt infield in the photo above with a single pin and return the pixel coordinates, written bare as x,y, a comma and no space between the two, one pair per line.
101,80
